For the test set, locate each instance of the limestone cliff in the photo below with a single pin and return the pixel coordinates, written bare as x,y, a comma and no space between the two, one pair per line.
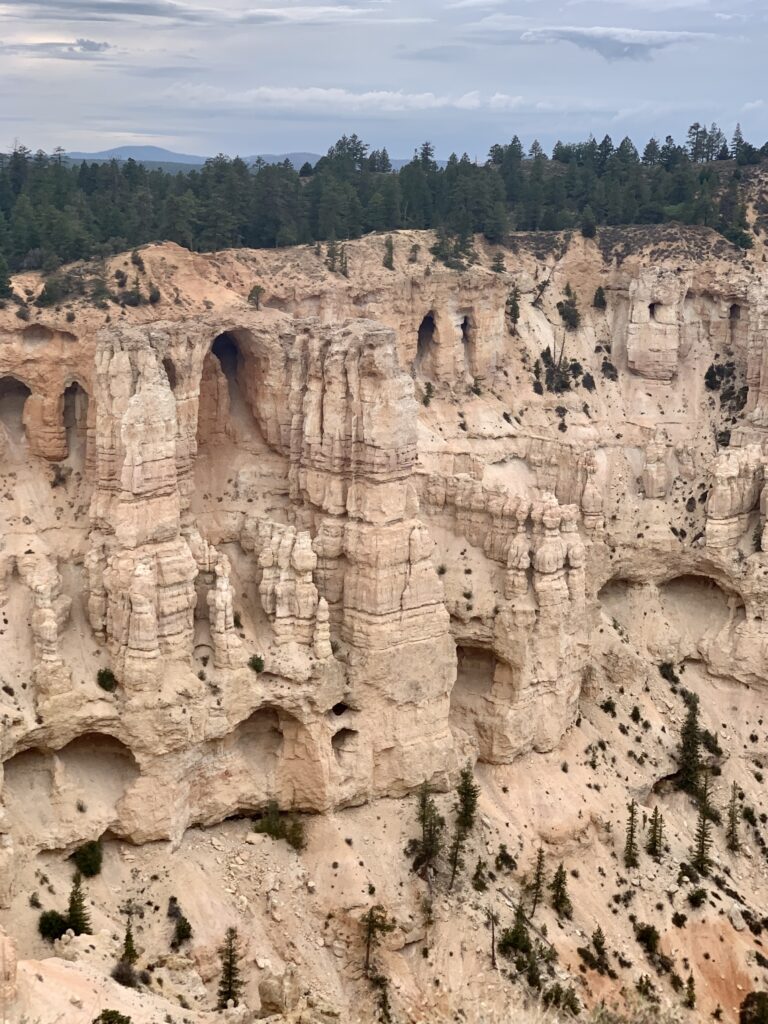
323,550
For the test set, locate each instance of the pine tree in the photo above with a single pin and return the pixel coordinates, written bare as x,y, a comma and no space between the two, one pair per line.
129,954
690,993
588,222
702,841
78,917
539,881
230,984
426,850
498,265
467,795
599,301
561,901
655,845
6,291
513,308
375,924
732,829
456,855
631,859
690,748
516,939
389,253
599,946
493,919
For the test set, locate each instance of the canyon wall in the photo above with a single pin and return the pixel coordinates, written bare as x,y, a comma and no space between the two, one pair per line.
323,550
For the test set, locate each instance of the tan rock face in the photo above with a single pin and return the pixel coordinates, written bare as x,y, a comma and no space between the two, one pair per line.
339,545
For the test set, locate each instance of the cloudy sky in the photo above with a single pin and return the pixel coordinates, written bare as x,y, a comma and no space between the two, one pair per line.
249,76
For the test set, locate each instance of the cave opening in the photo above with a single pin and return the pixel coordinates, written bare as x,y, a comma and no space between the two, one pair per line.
170,372
83,783
76,421
475,673
653,310
426,342
344,742
13,397
468,342
734,313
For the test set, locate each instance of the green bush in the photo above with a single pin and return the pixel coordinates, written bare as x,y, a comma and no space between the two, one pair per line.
111,1017
256,662
88,858
124,973
754,1009
106,679
275,825
181,933
52,925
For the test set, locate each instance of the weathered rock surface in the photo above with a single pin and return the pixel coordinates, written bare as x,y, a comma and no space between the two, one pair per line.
322,551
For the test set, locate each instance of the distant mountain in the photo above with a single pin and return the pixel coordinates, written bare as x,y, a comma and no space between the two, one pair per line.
142,154
297,159
155,156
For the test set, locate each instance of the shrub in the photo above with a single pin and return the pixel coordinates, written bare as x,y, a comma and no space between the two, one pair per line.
52,925
106,679
182,932
88,858
599,301
111,1017
125,974
256,662
648,937
154,295
697,897
754,1009
274,825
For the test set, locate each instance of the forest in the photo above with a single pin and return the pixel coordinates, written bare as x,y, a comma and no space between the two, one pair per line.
55,211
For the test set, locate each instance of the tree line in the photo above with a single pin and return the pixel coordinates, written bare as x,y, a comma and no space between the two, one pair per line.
54,211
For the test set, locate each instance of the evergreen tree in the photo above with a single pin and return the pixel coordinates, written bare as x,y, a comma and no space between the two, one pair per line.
6,291
129,954
389,253
561,901
513,309
690,993
467,796
588,223
498,265
539,881
655,845
689,757
599,301
732,829
631,859
426,850
375,924
467,793
78,917
493,919
600,948
230,983
702,841
516,939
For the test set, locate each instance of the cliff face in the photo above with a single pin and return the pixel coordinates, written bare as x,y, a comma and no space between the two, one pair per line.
345,542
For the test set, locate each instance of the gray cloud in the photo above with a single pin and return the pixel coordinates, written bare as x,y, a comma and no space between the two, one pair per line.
80,49
613,43
105,10
445,53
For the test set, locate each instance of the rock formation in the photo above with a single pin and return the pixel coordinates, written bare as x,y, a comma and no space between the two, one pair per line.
320,552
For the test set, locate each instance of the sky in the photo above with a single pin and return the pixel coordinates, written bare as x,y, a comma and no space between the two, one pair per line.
265,76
